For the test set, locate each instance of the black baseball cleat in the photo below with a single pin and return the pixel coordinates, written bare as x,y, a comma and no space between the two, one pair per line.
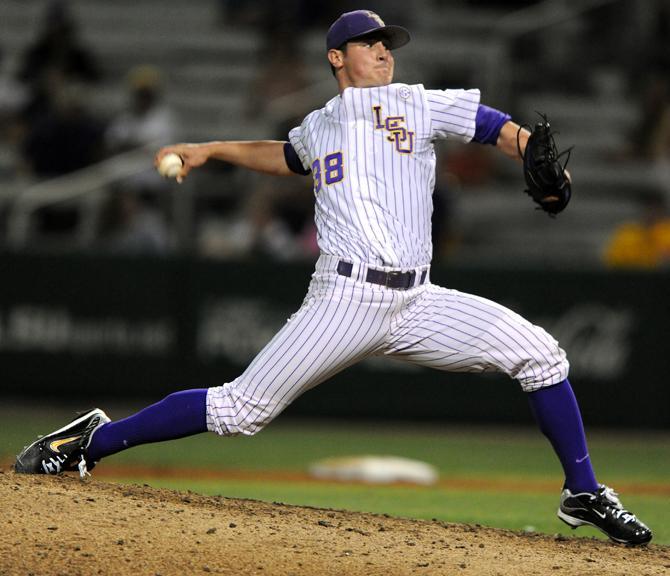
604,510
62,450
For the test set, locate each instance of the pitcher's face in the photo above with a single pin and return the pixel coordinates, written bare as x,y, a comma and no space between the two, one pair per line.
364,64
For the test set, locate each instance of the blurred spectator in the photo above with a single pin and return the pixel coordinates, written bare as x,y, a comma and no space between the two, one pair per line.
57,49
146,120
66,138
644,243
132,223
55,133
55,58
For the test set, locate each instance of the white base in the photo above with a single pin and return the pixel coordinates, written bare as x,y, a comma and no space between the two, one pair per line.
375,470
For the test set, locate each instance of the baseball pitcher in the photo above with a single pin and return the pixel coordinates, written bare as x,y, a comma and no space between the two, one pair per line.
370,153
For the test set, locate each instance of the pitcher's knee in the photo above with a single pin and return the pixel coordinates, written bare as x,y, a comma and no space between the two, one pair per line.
544,370
231,412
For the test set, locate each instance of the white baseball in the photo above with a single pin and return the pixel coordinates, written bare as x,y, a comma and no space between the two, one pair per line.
170,165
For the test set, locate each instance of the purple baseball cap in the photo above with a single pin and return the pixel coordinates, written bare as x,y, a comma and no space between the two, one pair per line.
352,25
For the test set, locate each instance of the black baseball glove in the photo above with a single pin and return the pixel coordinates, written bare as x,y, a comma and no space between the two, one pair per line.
547,181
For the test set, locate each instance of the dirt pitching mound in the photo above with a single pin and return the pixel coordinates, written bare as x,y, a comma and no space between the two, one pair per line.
60,525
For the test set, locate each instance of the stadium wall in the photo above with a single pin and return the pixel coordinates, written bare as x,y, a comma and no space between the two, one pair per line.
97,328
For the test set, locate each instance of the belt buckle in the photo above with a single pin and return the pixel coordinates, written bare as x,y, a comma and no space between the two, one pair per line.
390,275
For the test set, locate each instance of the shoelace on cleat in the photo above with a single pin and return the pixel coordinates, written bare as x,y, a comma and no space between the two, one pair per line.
83,470
627,516
612,501
611,495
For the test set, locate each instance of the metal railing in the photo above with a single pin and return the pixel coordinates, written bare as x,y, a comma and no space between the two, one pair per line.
88,186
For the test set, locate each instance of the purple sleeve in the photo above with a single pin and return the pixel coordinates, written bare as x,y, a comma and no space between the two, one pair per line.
488,124
293,161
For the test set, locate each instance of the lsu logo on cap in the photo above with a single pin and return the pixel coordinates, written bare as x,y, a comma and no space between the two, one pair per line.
375,17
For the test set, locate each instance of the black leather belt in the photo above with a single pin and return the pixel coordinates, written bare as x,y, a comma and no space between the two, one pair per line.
393,279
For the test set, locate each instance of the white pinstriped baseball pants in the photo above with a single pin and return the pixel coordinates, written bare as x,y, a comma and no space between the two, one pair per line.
344,320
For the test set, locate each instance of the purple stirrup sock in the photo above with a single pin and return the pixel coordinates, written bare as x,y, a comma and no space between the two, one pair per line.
177,415
557,413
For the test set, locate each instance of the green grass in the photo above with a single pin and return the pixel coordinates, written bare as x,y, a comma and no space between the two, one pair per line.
495,453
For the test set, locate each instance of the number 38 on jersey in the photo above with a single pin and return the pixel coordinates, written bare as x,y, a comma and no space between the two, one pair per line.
328,171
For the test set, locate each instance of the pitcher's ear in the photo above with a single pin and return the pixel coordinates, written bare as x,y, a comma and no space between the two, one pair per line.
336,58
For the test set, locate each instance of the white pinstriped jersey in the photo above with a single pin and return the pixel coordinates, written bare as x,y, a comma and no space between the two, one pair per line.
371,154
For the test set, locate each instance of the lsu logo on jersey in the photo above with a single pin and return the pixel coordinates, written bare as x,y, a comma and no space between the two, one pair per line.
398,132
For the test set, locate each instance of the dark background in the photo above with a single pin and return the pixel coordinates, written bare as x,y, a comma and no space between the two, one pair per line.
107,328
